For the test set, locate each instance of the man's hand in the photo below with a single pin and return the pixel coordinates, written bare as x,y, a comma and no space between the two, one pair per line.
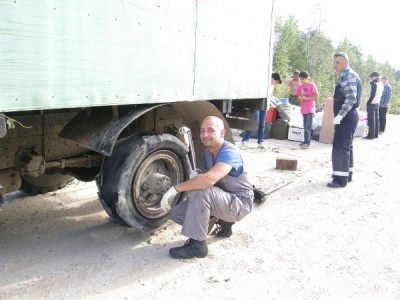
168,198
194,173
337,119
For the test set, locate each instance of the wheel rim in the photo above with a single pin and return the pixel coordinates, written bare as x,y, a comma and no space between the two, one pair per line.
158,172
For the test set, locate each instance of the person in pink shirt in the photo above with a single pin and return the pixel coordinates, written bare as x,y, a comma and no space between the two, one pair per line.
307,93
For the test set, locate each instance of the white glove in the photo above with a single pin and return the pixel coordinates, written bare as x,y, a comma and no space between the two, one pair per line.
168,198
337,119
194,173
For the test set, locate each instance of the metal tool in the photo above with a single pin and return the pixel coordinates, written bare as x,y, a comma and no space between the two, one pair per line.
185,131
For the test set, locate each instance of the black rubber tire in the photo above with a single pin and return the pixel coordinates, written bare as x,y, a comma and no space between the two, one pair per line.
134,178
45,183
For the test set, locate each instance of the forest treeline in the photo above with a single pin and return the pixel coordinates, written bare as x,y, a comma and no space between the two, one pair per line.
312,51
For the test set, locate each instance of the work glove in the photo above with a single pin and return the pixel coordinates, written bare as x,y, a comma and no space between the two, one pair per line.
337,119
168,198
194,173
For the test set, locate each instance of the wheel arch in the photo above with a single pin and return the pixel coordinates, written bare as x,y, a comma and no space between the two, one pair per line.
99,128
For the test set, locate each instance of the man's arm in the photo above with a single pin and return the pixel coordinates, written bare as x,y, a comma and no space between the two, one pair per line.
349,86
205,180
288,79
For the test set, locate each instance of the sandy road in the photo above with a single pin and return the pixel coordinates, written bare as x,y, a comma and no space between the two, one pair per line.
306,242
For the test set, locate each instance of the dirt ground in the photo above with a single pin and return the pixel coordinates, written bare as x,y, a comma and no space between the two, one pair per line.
306,241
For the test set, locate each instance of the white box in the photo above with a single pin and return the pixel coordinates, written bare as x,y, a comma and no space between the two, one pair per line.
296,134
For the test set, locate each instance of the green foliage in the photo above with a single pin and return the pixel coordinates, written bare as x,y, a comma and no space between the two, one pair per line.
10,124
310,50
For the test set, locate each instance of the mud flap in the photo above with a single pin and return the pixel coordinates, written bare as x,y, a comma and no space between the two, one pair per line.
3,126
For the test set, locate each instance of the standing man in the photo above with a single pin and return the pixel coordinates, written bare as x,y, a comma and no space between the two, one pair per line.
293,82
384,104
223,191
345,101
373,99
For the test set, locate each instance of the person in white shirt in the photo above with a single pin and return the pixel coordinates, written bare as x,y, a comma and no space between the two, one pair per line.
373,100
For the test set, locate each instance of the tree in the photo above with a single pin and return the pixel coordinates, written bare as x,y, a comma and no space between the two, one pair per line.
312,51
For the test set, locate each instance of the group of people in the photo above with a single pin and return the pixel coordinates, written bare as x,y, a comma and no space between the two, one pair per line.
303,93
378,98
223,190
260,115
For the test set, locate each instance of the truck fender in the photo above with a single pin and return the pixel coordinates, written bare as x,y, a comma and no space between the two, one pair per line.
98,128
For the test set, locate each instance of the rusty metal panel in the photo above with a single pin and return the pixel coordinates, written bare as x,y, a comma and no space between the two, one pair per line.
40,135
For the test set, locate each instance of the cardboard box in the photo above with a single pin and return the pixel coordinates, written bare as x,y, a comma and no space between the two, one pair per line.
327,128
296,134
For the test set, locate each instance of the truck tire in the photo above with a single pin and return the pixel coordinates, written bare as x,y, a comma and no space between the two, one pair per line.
134,178
45,183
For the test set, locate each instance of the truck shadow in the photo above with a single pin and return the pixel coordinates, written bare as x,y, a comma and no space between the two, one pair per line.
64,242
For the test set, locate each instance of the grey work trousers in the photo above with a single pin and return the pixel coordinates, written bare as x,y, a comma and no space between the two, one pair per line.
195,212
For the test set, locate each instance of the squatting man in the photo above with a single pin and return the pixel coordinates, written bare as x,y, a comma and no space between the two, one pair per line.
223,191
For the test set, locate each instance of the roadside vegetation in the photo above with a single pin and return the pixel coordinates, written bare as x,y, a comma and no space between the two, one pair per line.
312,51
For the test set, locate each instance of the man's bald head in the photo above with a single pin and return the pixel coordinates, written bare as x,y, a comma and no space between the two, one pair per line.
216,121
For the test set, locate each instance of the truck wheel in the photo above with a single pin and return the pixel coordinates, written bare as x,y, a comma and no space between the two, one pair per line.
134,178
45,183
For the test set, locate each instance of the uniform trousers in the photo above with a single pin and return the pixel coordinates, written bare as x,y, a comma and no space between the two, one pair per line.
342,149
195,212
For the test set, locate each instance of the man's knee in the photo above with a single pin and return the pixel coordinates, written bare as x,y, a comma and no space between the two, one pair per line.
178,212
199,199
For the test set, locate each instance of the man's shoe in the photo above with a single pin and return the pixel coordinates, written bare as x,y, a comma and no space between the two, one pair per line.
192,248
225,228
368,138
305,146
335,184
260,146
259,196
350,178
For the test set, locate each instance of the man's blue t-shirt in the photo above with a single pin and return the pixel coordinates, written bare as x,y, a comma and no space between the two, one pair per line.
229,155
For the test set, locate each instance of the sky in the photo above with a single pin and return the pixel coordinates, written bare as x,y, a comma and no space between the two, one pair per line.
372,25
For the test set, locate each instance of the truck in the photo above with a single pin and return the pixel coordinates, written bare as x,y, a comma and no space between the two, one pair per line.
98,90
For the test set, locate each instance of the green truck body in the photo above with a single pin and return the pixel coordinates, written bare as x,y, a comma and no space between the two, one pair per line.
84,82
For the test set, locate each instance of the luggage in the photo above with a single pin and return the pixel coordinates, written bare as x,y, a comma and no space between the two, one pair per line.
279,129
